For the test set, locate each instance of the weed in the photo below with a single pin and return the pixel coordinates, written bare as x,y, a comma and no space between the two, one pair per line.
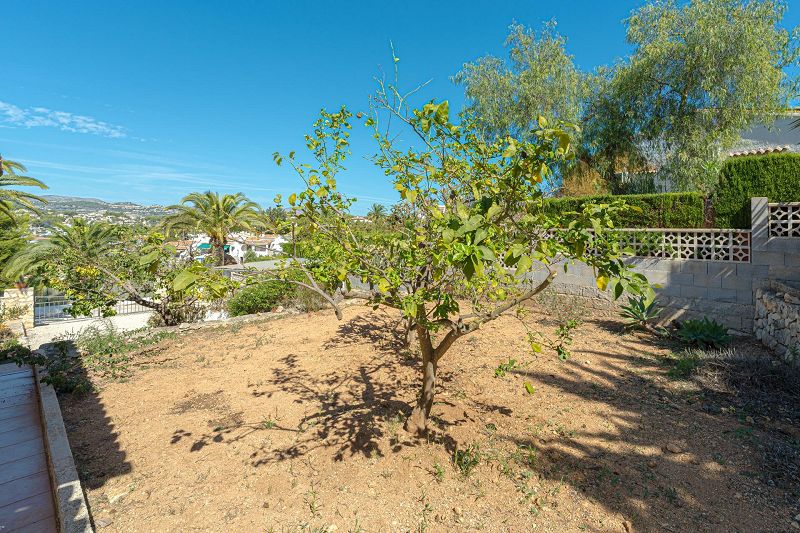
502,368
685,365
438,471
467,459
312,501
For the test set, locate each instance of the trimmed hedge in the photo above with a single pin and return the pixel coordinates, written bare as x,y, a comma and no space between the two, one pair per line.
664,210
775,176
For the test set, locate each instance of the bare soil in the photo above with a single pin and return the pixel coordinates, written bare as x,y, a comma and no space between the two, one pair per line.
296,424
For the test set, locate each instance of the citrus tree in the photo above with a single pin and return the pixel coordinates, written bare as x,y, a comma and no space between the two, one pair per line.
476,242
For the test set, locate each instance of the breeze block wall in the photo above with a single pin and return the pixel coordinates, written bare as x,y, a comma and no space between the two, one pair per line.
693,288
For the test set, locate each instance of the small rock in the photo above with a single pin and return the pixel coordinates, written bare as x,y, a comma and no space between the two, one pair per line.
117,497
331,528
675,447
103,522
749,419
797,517
457,511
627,527
795,524
652,464
738,495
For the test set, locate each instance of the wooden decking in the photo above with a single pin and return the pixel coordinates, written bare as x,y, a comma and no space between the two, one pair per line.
26,499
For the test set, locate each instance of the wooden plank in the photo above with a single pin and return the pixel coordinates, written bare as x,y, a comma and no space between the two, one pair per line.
24,487
15,389
12,367
15,436
23,467
26,512
19,451
15,376
19,422
31,409
28,397
48,525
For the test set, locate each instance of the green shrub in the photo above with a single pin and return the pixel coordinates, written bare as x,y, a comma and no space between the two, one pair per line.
640,312
704,333
774,176
260,298
664,210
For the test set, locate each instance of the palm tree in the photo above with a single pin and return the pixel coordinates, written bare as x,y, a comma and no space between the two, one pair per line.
90,240
215,215
377,212
10,177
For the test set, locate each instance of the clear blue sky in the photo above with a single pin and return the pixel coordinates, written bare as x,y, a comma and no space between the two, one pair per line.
146,101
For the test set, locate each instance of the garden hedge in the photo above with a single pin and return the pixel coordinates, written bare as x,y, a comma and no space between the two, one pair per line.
775,176
664,210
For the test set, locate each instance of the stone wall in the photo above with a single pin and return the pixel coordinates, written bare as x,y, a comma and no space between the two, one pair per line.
777,322
19,298
691,288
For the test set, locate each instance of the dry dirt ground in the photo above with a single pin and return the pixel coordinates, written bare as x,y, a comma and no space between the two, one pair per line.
296,425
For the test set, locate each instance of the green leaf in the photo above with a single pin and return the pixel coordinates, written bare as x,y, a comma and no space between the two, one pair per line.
184,280
523,265
529,388
149,258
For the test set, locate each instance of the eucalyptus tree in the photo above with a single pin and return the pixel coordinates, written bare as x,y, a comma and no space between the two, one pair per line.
477,243
700,73
215,215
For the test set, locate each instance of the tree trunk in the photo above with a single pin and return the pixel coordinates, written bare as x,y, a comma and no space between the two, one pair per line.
220,249
417,423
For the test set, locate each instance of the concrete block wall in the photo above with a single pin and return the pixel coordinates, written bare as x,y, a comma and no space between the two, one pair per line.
692,288
777,322
22,298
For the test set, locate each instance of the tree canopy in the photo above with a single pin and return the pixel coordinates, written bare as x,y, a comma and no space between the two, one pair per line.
476,244
699,73
215,215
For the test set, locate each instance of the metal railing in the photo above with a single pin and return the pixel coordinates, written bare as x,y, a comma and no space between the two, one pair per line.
54,307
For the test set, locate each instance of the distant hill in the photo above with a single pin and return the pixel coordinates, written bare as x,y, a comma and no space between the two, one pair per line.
75,203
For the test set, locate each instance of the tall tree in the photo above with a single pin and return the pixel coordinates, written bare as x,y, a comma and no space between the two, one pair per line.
539,79
699,74
215,215
10,177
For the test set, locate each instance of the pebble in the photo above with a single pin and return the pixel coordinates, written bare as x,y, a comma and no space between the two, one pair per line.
652,464
103,522
675,447
117,497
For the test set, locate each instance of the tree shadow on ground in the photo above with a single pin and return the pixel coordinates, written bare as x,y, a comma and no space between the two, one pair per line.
354,411
94,441
666,460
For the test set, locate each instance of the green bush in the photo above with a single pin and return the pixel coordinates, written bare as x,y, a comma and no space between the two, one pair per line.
260,298
664,210
775,176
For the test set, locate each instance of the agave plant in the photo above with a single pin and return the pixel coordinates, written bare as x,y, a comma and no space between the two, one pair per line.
705,333
640,312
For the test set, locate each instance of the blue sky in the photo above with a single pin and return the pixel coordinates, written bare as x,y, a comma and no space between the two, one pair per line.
146,101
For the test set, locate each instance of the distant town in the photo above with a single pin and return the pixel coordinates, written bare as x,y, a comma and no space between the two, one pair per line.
60,209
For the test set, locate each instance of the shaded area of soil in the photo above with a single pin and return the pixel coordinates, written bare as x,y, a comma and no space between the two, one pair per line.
297,424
